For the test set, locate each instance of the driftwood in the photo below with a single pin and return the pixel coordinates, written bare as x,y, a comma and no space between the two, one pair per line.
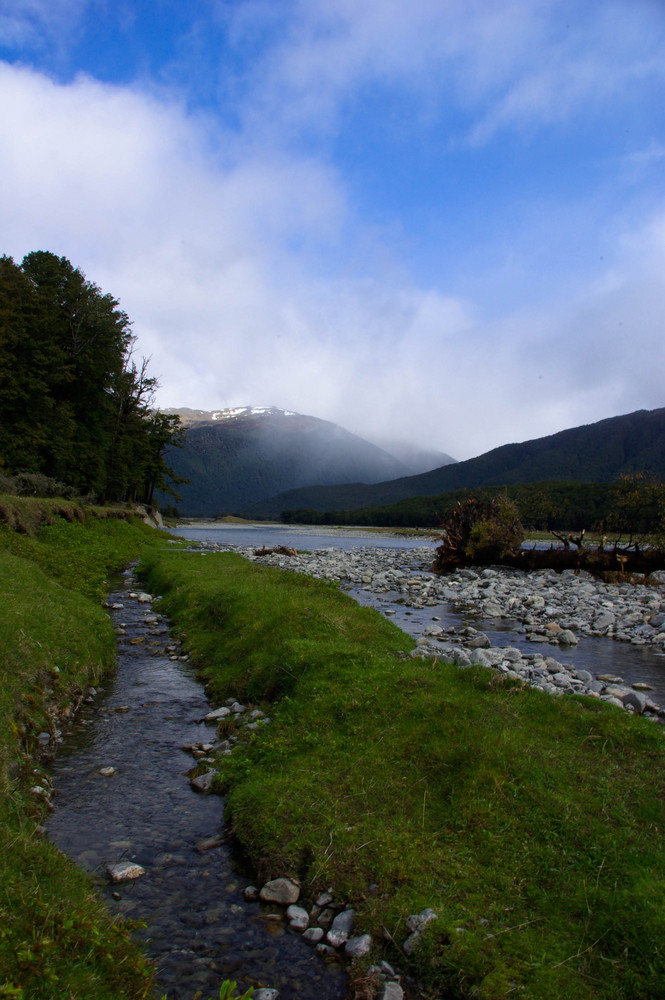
596,561
281,550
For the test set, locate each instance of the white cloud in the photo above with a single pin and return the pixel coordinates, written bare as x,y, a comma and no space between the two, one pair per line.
221,251
39,22
511,63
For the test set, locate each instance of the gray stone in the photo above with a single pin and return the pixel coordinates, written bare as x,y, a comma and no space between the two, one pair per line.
266,994
123,871
314,934
479,641
418,921
392,991
481,658
297,917
567,638
341,928
203,782
358,946
217,714
280,890
635,700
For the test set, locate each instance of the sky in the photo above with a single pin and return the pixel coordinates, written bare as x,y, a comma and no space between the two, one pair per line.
440,221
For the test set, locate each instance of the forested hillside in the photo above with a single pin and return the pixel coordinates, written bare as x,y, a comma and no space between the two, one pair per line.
232,458
74,404
594,453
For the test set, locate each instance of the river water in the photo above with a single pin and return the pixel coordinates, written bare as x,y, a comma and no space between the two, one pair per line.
296,536
200,930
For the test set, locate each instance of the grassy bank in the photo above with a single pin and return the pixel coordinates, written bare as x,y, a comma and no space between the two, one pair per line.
56,938
532,826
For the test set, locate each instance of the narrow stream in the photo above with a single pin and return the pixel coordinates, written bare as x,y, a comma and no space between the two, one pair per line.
199,928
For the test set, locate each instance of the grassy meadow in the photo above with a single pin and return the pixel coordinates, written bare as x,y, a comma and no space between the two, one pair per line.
533,826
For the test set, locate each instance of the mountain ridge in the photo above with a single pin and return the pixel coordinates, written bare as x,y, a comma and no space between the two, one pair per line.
238,456
597,452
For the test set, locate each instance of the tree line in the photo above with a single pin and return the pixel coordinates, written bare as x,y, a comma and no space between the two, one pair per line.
75,404
563,506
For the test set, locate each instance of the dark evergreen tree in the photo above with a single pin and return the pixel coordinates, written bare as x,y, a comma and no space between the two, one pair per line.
73,404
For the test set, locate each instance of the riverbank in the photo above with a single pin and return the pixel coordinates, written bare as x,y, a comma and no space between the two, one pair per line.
56,937
531,826
535,619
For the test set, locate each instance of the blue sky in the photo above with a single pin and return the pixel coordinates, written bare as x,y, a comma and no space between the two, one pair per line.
440,220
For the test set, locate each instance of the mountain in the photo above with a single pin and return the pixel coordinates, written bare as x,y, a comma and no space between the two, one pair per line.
237,457
596,452
413,458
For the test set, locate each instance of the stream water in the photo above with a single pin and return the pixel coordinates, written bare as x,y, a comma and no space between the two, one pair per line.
199,928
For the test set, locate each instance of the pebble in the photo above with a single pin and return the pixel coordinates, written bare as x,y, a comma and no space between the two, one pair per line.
203,782
280,890
340,930
357,947
123,871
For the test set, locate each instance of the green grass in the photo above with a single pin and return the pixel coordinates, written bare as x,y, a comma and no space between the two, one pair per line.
56,938
533,826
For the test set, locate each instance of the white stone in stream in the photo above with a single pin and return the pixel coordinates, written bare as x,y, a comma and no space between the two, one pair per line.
107,771
313,934
479,641
341,928
203,782
297,917
122,871
217,714
280,890
358,946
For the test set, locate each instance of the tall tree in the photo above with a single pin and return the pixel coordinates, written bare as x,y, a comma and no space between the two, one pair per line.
73,404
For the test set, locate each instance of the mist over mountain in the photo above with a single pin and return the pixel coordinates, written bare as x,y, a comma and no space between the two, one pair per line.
598,452
235,458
